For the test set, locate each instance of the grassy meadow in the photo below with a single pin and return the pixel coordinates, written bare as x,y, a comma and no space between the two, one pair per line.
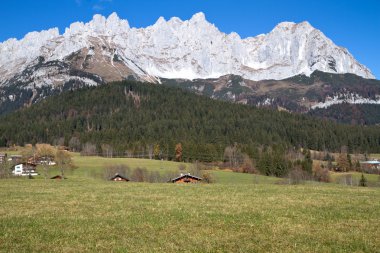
239,213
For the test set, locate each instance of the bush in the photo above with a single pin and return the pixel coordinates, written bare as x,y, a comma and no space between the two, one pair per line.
346,179
140,175
363,181
207,177
298,176
321,174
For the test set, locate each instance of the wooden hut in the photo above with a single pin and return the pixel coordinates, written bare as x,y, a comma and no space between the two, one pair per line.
186,178
58,177
117,178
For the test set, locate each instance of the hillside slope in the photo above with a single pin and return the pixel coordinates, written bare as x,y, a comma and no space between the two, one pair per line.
320,94
131,116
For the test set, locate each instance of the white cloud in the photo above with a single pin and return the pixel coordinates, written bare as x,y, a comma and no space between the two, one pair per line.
100,4
98,7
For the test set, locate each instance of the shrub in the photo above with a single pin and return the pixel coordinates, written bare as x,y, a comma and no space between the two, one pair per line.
298,176
363,181
139,175
321,174
207,177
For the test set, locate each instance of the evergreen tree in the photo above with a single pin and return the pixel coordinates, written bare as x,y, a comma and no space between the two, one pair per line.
363,181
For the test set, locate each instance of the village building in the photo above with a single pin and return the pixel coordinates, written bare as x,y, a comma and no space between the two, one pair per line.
24,169
46,161
374,165
186,178
41,160
118,178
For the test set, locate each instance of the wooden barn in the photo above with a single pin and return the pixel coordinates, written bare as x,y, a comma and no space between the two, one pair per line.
186,178
118,178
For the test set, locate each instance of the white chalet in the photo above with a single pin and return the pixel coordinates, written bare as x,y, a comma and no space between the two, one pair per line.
24,169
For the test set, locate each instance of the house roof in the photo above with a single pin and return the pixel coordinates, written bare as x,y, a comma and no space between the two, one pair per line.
188,175
58,177
371,162
26,164
117,175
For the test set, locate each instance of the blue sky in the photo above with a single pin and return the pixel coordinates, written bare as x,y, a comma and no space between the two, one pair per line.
353,24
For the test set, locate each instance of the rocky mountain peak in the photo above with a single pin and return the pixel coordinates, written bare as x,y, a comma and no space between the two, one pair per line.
188,49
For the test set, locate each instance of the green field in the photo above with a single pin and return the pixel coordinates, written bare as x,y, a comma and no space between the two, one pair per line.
239,213
87,165
91,215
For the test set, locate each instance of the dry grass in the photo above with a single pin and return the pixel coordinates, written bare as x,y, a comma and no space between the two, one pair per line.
84,215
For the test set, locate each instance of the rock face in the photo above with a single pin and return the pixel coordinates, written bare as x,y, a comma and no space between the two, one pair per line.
108,49
191,49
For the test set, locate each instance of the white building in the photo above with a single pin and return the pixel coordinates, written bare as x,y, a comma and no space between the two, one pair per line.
24,169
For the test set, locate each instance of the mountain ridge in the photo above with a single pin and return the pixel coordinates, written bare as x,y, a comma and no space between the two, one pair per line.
105,50
184,49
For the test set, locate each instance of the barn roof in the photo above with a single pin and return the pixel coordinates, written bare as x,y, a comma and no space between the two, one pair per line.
371,162
58,177
26,164
117,175
188,175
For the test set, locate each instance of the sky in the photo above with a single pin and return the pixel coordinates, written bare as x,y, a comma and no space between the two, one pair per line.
353,24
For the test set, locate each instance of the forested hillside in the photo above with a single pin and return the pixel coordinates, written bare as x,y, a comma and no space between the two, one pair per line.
131,117
359,114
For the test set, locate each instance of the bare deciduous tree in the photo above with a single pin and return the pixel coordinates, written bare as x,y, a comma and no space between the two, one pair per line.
28,152
74,144
139,175
64,161
233,155
46,153
107,150
150,151
89,149
321,174
157,151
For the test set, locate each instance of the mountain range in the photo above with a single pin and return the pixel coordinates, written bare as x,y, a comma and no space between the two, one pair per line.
294,67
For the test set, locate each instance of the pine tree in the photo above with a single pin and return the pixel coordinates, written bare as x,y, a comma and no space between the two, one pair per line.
363,181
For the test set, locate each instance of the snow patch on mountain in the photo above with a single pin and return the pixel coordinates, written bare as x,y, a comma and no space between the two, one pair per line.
350,98
187,49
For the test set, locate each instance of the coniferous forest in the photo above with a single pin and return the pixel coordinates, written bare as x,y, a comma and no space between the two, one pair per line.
132,118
